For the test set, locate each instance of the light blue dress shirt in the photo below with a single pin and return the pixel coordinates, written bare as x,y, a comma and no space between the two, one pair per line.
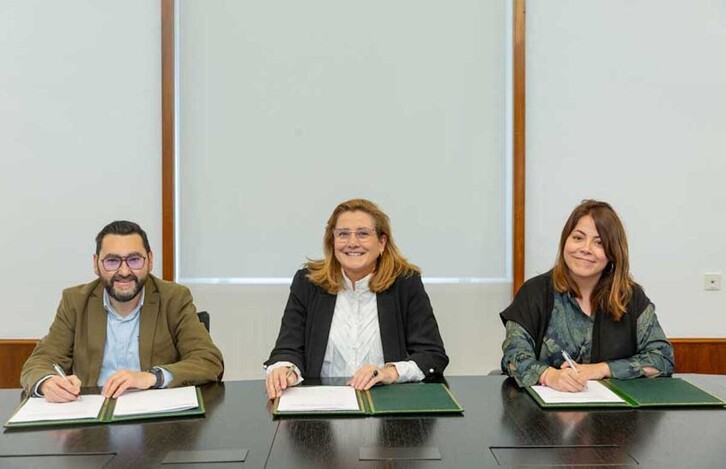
121,351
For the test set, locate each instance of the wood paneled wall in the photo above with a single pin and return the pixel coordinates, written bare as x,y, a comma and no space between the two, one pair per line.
706,356
13,353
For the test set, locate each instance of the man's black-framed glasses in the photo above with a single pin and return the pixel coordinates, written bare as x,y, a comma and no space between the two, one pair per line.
113,263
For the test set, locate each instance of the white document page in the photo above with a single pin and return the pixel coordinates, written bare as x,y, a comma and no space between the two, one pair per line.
151,401
309,398
37,409
596,392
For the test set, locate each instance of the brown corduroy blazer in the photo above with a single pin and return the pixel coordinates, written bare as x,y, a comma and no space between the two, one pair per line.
170,336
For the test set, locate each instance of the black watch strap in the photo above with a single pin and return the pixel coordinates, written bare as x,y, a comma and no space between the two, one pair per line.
156,371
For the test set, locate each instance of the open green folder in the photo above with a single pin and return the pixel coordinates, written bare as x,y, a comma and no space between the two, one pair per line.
409,398
94,408
641,392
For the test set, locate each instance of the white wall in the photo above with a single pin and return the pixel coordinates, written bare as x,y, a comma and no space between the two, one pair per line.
625,103
80,143
79,117
270,107
283,116
620,107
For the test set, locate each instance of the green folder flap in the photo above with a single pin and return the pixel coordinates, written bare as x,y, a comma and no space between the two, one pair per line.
573,405
200,410
662,392
412,398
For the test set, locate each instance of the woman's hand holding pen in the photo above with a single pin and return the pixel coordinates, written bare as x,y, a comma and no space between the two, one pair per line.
369,375
571,379
278,380
566,379
61,389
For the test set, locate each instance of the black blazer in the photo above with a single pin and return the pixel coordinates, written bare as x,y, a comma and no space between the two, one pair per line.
408,327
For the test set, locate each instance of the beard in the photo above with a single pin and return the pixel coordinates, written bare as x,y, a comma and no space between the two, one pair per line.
119,296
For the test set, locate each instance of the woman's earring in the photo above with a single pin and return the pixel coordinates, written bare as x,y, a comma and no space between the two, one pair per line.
610,268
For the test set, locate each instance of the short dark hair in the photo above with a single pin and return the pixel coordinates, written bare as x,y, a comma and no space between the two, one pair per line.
121,228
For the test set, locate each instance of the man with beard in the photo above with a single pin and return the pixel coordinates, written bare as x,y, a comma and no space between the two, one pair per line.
125,330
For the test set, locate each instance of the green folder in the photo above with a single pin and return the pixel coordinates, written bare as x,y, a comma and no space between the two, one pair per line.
662,392
645,392
409,398
105,415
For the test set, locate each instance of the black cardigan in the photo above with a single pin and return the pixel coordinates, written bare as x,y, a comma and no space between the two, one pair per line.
611,340
408,327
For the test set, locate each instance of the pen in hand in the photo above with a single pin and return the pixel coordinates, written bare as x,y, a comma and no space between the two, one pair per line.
62,374
571,362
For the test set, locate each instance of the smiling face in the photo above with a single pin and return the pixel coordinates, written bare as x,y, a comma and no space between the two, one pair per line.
123,285
357,256
584,253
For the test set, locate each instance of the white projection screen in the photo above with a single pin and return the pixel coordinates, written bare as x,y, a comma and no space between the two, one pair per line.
287,108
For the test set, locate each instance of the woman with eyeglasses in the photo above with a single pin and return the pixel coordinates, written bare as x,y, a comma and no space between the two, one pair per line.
586,318
362,311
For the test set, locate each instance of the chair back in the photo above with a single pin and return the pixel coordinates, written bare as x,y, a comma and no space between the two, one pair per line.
204,318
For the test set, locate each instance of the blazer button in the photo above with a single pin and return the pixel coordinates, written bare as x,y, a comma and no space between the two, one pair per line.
431,370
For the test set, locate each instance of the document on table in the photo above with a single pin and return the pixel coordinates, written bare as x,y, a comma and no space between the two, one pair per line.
596,392
153,401
37,409
312,398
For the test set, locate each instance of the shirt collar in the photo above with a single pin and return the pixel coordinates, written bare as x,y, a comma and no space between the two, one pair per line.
360,286
109,309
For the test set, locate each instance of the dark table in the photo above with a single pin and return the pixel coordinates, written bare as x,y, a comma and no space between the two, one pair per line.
504,426
501,426
236,417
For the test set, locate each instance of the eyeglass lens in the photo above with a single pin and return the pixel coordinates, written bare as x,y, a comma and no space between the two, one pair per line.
113,263
361,234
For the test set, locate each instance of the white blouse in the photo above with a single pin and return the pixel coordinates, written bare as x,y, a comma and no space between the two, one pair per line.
355,335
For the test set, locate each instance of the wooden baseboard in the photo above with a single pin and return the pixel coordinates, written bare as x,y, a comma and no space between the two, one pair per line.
13,353
706,356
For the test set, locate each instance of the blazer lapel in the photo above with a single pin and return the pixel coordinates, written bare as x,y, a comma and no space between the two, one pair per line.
147,323
392,345
96,340
318,342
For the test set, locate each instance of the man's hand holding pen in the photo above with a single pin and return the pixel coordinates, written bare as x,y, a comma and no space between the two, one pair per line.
61,388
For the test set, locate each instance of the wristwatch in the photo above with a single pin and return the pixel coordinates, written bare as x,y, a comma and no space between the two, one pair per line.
156,371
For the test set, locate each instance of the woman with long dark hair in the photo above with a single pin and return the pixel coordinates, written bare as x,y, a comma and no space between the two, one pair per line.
588,306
